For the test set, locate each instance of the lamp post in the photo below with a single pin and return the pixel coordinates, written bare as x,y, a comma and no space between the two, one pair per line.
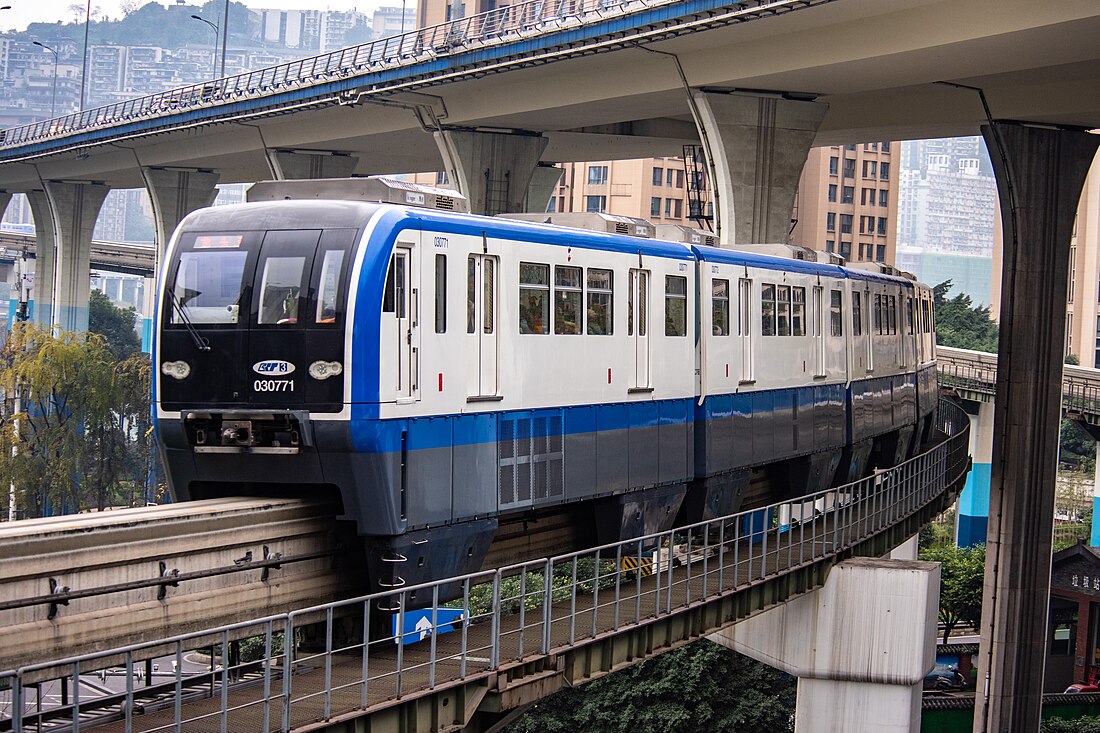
225,37
84,66
53,98
214,26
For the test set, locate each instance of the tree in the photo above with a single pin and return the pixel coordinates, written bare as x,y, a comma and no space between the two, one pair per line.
701,686
961,324
1084,724
114,324
962,571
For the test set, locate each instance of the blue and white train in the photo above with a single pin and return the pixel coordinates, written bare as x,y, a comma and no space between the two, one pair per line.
460,383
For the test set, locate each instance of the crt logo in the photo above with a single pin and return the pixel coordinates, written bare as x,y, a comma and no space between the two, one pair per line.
273,366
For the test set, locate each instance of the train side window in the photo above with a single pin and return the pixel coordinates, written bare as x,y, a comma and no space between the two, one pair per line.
783,310
836,313
280,290
767,310
893,315
877,315
675,305
720,307
798,311
601,294
568,295
441,293
909,314
857,314
489,289
328,292
388,299
534,298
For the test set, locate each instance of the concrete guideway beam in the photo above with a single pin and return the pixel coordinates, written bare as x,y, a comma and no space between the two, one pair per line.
1040,173
287,164
491,169
74,208
860,645
756,148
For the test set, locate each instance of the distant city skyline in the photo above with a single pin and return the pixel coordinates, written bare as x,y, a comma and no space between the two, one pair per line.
25,12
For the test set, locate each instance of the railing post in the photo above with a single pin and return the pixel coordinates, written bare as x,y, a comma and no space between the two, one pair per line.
546,605
494,651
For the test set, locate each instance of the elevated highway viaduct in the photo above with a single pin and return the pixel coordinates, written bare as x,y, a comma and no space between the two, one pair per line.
488,98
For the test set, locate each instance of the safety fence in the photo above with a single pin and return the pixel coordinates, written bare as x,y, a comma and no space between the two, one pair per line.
340,660
493,28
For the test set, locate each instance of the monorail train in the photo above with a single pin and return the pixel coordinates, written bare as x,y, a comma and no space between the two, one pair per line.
460,382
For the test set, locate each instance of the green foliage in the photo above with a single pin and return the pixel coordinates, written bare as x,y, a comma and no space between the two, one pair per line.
962,570
1076,448
961,324
1084,724
81,437
114,324
699,687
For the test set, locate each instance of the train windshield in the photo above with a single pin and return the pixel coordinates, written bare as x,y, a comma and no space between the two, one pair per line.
208,286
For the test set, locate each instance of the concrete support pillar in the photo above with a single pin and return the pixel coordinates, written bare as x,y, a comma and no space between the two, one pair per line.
544,180
299,164
1094,537
907,550
860,646
175,193
491,169
756,148
972,520
44,260
75,207
1040,173
148,309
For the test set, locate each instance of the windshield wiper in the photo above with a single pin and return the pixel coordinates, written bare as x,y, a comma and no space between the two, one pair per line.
200,343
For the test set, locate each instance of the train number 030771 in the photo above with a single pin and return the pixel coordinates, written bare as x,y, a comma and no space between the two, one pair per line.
273,385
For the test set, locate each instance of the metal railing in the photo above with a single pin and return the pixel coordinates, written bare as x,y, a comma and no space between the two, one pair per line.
492,28
976,371
337,665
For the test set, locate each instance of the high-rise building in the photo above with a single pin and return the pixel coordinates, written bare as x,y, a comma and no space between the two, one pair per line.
847,202
651,188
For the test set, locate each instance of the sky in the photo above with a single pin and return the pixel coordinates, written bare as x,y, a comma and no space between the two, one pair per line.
24,12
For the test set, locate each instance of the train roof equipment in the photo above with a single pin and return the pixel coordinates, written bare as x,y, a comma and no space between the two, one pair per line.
592,221
687,235
379,189
792,252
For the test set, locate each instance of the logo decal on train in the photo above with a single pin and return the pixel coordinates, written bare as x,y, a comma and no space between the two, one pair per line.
273,366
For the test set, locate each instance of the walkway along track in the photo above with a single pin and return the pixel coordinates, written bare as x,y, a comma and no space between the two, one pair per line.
534,627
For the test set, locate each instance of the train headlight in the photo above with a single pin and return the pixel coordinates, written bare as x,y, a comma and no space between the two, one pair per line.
325,369
176,369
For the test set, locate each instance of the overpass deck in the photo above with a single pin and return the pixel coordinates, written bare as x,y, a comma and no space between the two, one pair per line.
532,629
973,374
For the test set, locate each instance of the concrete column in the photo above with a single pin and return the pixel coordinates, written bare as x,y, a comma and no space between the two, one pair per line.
299,164
1040,173
860,645
175,193
148,309
972,520
544,180
75,208
491,169
756,148
45,259
907,550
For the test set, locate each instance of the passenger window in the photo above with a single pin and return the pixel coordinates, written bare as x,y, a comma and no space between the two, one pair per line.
441,293
798,311
675,305
567,299
534,298
488,286
388,290
877,314
471,294
280,290
329,288
783,310
836,313
767,310
600,297
893,315
720,307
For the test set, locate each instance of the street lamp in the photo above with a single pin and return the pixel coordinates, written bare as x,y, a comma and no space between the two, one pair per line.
215,48
53,99
84,67
225,37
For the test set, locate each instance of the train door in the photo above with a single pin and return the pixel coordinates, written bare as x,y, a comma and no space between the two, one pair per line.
638,325
481,325
400,326
818,326
744,328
